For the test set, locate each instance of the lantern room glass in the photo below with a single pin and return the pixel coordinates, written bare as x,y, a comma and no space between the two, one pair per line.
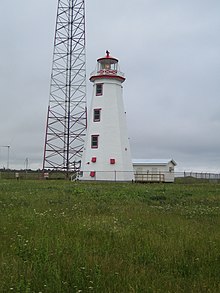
107,64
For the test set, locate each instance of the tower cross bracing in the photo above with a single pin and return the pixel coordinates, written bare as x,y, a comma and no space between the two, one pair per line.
66,117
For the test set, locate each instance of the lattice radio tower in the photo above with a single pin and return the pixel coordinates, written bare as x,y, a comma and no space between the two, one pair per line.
66,118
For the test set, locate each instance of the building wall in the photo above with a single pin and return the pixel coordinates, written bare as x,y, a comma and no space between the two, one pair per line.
145,172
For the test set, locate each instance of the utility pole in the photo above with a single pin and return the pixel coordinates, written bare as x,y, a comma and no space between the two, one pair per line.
66,116
8,154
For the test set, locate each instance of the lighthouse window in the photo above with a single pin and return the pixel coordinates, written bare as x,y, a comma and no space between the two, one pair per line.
99,89
94,141
96,115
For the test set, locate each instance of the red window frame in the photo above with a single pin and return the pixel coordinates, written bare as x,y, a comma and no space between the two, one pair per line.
112,161
99,89
93,160
92,174
94,141
96,115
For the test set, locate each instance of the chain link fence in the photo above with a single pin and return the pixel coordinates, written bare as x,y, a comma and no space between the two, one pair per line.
159,176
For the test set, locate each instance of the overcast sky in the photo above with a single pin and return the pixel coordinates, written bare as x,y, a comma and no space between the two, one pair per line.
170,54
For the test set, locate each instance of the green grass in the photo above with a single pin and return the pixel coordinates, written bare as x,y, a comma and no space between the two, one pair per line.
60,236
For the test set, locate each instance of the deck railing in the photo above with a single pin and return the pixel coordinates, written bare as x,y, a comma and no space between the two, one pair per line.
107,72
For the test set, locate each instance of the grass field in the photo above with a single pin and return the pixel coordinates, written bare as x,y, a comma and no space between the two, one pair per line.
61,236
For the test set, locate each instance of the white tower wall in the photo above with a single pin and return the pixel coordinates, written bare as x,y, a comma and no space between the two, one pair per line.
111,159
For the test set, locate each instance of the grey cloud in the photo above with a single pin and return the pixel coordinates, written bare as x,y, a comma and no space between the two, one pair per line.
169,51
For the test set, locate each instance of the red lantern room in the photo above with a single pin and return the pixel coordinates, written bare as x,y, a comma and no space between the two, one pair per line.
107,67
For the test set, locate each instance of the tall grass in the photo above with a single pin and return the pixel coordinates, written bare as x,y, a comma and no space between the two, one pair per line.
59,236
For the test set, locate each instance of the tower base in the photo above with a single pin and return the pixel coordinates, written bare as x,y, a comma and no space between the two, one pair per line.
120,176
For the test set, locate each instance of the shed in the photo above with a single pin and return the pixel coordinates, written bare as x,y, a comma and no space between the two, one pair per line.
154,170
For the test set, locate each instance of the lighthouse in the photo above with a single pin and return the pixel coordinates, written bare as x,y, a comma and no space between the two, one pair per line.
106,154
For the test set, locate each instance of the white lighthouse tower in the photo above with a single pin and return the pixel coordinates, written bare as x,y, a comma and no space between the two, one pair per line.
107,153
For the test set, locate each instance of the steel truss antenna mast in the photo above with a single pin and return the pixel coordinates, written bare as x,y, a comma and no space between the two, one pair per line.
66,118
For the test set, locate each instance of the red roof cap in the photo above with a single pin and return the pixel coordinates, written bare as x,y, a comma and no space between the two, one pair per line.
108,57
